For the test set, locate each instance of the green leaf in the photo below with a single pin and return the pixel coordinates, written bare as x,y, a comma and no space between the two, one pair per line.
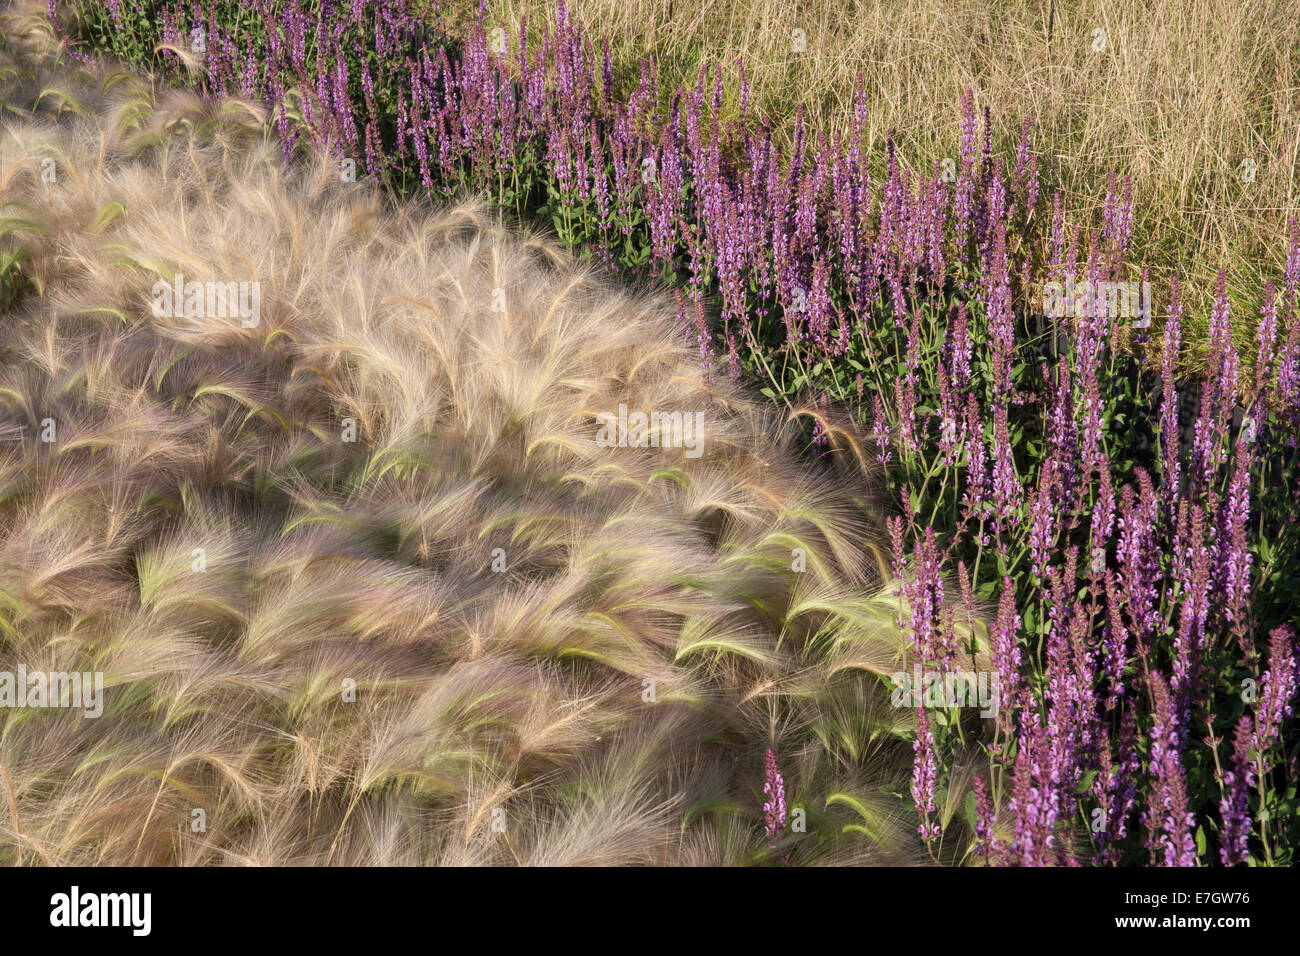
1085,782
106,215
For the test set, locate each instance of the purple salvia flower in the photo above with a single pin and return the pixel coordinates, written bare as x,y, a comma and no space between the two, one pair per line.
978,480
1115,787
774,805
898,559
1069,689
1234,808
819,316
1083,656
1232,557
1125,223
1266,348
600,176
1208,451
665,200
1137,558
969,127
1000,319
923,591
1089,345
342,104
1191,569
1277,691
1118,215
1103,517
1063,434
1007,491
985,821
950,420
993,215
925,775
1031,805
1044,520
1022,152
733,358
1286,391
905,386
1114,639
1169,824
961,353
881,432
1005,650
845,220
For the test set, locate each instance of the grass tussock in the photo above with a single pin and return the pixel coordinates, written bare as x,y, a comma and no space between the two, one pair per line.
201,530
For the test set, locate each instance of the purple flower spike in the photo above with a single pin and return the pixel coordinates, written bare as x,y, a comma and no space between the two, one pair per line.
774,806
1277,691
1234,807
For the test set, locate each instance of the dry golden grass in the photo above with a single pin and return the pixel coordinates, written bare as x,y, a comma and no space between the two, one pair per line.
1183,92
324,561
